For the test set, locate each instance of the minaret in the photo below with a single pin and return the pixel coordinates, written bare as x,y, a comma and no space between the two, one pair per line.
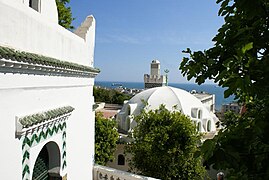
155,79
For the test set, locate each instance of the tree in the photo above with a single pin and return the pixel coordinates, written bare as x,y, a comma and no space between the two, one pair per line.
238,61
109,96
106,136
64,14
164,146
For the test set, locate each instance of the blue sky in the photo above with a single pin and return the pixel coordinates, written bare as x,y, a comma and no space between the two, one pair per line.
132,33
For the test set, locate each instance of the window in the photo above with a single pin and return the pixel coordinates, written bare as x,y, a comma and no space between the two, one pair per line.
199,126
35,4
208,127
194,112
199,114
121,159
129,110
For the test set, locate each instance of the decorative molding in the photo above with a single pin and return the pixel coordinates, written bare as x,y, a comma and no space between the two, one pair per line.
36,128
38,120
30,140
20,62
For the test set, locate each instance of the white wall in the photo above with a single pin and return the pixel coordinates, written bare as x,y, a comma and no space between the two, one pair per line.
114,164
27,94
25,29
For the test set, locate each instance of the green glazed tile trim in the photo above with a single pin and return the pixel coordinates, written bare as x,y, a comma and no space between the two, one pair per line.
31,58
34,119
30,140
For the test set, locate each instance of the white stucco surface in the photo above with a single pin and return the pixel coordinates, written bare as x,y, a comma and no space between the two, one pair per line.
23,28
38,95
28,30
173,99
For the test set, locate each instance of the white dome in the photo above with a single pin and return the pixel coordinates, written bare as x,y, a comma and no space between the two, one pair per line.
173,99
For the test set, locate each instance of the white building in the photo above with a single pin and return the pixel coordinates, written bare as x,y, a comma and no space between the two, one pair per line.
46,84
207,99
46,102
173,99
154,79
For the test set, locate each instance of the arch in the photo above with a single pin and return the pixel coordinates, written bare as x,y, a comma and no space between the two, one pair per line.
208,126
199,116
129,110
121,159
35,4
199,126
48,162
128,123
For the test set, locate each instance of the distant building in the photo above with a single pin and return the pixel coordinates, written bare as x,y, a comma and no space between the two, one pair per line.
154,79
207,99
234,107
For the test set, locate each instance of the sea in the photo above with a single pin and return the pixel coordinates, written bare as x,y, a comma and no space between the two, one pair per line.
208,88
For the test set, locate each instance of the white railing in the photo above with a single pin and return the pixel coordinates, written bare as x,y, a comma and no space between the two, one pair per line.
106,173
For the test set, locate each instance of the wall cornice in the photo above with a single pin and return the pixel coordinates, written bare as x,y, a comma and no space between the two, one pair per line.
13,61
41,119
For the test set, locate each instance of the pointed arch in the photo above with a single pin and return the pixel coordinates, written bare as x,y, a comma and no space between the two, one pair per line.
48,162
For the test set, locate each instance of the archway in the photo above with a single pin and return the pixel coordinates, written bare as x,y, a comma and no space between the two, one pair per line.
121,159
35,4
48,163
208,127
199,127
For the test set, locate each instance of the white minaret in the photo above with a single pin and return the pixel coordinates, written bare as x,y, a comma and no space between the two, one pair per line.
155,67
155,79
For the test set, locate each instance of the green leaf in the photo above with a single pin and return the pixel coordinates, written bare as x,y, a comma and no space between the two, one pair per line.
247,47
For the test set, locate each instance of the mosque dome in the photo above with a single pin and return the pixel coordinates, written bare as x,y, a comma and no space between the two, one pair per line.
174,99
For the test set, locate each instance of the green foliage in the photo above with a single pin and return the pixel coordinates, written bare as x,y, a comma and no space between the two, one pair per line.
64,14
109,96
164,146
238,61
106,136
242,146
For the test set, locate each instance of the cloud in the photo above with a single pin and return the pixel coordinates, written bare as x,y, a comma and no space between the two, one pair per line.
118,38
166,38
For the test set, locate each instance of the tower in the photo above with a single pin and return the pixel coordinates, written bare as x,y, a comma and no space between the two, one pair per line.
155,79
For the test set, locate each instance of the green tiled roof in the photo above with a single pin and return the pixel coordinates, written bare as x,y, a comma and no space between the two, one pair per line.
34,119
31,58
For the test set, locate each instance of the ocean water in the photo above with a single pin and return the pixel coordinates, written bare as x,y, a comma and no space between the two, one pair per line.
209,88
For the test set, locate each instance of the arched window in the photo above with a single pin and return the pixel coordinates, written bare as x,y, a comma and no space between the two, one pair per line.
208,127
129,110
121,159
128,123
199,114
41,167
199,126
48,163
35,4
